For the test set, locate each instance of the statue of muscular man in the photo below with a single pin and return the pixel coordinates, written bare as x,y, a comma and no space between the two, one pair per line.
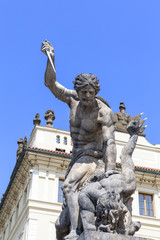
92,132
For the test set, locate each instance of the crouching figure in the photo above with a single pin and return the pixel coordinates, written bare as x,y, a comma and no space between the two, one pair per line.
105,205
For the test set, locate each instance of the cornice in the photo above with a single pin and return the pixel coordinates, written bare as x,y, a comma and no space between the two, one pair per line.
16,184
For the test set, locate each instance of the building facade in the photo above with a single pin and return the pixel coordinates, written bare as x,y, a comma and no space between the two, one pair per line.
33,199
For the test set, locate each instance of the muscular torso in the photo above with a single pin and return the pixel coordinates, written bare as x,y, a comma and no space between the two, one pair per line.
86,126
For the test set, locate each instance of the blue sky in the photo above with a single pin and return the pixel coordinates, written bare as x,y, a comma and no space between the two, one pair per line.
118,41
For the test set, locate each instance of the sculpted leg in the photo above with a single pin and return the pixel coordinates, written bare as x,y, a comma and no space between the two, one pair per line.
88,220
62,224
77,176
87,201
71,197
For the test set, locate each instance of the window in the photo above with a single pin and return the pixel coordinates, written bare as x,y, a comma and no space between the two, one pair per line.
65,141
60,192
145,204
61,150
57,139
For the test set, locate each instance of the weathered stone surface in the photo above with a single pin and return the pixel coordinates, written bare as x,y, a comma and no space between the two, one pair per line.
122,119
49,116
110,196
96,196
94,235
36,121
21,144
92,132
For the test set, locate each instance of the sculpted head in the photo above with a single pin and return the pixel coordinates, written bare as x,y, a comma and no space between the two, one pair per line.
84,79
122,107
110,209
87,86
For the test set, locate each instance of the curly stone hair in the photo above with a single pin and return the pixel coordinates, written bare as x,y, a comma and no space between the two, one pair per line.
109,209
84,79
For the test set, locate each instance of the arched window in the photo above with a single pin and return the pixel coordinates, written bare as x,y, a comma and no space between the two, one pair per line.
65,141
58,139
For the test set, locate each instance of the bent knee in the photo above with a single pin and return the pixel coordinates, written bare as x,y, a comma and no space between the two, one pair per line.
68,186
82,198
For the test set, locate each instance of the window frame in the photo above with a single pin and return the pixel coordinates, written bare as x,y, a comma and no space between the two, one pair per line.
65,140
59,188
58,139
145,205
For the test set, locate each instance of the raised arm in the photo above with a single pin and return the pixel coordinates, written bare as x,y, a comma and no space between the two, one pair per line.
127,151
110,152
56,88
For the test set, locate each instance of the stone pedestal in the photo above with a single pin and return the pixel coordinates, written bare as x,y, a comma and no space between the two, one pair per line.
93,235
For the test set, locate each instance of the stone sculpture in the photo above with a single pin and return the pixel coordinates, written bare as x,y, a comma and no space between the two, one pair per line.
93,154
105,205
92,132
36,121
49,116
21,144
122,119
20,147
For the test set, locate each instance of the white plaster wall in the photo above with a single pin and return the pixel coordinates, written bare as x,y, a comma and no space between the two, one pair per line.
44,208
44,185
44,223
45,138
145,154
150,226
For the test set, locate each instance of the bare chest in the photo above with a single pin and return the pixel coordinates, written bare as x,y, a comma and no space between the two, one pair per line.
84,120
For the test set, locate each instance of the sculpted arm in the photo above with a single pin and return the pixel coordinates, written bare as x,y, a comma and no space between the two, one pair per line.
127,163
110,152
127,151
56,88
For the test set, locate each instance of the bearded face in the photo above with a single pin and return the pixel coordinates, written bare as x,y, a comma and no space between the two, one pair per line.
87,95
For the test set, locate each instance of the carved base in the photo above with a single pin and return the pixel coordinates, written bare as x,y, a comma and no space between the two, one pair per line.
93,235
